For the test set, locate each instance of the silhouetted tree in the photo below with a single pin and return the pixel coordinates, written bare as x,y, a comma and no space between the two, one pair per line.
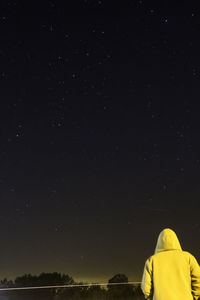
26,280
123,291
4,283
44,279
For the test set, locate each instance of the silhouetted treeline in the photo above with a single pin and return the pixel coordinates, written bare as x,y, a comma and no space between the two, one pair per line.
95,292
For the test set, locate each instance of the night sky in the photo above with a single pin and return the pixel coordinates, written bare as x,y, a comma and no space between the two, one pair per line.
99,132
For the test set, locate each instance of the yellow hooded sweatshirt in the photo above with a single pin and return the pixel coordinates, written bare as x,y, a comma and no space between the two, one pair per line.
171,274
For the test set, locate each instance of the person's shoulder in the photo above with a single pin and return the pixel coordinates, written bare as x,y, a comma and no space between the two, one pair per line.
149,263
186,253
152,256
149,259
189,255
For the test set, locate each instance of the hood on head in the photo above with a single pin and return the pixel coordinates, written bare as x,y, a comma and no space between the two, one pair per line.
167,240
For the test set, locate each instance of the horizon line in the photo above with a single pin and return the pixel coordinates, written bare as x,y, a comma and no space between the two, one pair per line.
68,286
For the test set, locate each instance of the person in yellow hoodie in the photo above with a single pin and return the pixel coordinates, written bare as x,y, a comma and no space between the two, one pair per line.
171,274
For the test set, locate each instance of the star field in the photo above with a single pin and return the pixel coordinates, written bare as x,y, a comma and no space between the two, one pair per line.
100,148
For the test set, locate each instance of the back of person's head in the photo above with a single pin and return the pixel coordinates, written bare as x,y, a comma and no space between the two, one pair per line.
167,240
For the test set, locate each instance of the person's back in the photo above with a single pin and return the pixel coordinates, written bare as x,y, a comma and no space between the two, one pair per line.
171,274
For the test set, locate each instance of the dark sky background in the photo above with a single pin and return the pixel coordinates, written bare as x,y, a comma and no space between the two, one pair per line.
99,127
